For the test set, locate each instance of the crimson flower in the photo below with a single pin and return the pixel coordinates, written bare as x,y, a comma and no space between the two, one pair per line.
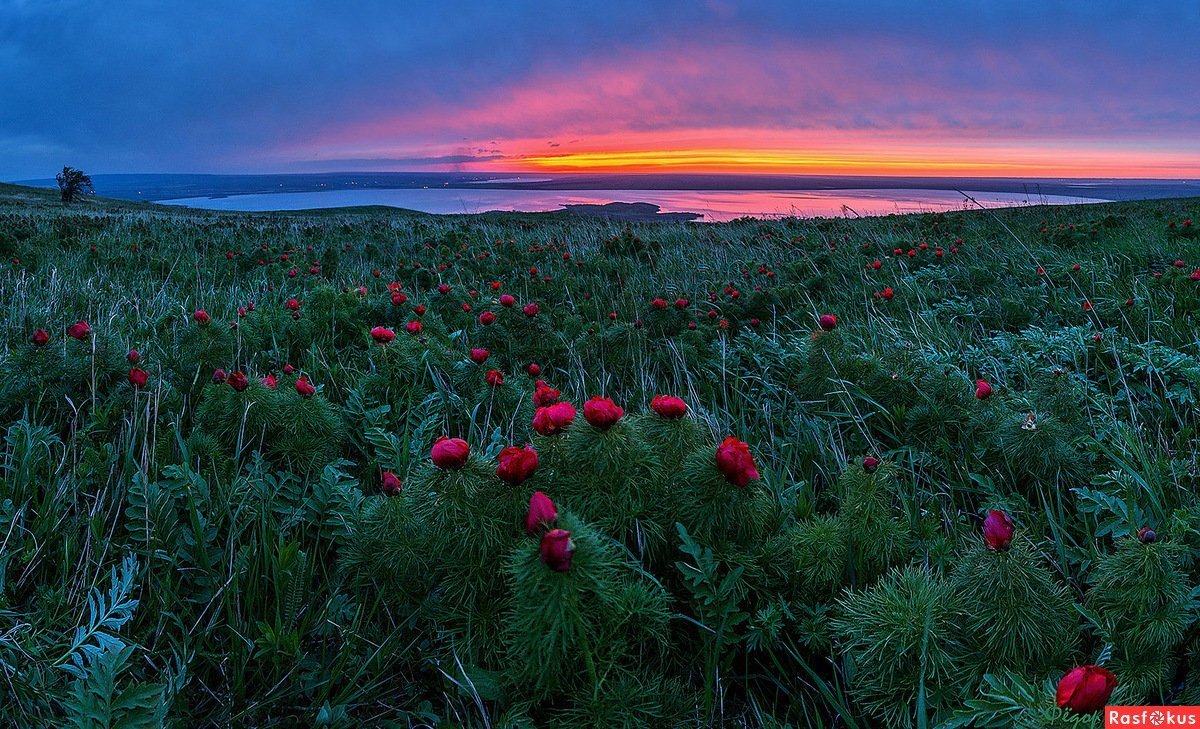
735,462
541,513
668,407
516,465
79,330
556,549
450,453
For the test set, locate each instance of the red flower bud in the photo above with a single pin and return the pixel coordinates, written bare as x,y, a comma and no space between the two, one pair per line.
534,369
487,318
531,310
1147,535
494,378
997,530
1085,690
827,322
450,453
541,513
516,465
556,549
507,301
544,396
237,380
870,463
79,330
479,356
382,335
414,328
391,484
735,462
304,388
670,408
40,337
138,377
133,357
602,412
982,390
554,419
218,376
201,317
292,305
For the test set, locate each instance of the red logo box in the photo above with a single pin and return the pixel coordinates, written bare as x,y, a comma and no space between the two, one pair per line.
1151,716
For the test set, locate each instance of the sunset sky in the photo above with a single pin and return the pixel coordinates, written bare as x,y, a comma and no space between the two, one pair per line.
1104,88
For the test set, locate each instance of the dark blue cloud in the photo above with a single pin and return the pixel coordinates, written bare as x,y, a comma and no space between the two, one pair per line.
238,86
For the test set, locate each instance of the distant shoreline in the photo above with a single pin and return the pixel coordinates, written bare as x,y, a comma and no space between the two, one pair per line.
155,187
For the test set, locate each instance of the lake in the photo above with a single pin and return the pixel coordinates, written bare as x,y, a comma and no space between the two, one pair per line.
713,205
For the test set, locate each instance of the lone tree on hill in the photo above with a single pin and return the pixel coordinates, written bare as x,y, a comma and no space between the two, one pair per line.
72,183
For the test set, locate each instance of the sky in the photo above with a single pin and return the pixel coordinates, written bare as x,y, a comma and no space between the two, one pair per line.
1094,88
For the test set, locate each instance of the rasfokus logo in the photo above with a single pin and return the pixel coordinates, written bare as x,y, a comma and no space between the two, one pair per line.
1151,716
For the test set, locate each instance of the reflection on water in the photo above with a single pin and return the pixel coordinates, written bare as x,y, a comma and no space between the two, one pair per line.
714,205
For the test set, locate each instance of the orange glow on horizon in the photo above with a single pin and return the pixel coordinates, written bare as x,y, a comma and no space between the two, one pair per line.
927,163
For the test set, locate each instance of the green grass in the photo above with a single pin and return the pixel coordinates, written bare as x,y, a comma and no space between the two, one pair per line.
184,554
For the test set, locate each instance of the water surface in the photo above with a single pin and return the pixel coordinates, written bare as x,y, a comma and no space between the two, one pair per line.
713,205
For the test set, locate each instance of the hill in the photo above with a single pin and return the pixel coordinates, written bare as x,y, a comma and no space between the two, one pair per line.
375,467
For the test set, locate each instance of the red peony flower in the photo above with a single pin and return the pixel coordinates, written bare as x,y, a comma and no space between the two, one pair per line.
450,453
516,465
681,303
982,390
870,464
238,381
443,289
1085,690
541,513
658,304
487,318
292,305
479,356
414,328
391,484
40,338
556,549
735,462
534,369
79,330
494,378
602,412
138,377
1146,535
554,419
668,407
201,317
383,335
827,322
544,395
399,298
270,381
1087,306
133,357
997,530
507,301
218,376
304,388
530,310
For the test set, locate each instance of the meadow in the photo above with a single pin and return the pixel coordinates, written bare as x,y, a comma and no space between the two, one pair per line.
375,468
